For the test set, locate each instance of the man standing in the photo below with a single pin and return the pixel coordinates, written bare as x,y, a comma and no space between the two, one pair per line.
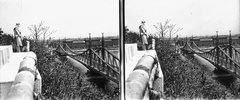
17,34
143,33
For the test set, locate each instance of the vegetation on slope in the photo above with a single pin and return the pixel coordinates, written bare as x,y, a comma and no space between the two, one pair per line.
187,79
60,80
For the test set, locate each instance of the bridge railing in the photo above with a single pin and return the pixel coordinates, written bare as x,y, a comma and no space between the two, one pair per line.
211,55
188,47
109,58
106,67
197,48
221,58
69,50
236,55
233,53
93,61
228,62
84,57
61,50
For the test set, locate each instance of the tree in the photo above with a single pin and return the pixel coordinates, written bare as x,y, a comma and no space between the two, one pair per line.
131,37
40,32
39,35
166,27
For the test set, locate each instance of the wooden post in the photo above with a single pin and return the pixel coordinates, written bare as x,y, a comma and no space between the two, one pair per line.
90,52
23,85
137,81
217,43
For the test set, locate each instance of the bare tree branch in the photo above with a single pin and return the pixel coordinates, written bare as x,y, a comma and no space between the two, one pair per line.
166,29
40,32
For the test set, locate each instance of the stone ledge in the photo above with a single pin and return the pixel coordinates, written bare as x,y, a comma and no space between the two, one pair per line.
10,69
130,51
5,54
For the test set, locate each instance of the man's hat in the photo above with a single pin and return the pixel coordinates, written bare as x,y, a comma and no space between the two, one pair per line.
17,23
143,22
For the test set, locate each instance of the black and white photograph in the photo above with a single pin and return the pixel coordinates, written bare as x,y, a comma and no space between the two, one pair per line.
182,49
59,50
119,49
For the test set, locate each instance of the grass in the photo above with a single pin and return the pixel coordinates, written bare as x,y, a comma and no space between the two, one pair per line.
62,81
187,79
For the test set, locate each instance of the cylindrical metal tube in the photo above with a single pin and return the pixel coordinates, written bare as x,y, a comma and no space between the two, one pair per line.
23,85
137,81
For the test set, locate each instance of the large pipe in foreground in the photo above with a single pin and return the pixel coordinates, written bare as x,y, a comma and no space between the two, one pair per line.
137,81
23,85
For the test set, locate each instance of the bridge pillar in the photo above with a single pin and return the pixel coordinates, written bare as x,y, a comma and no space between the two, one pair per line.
103,51
90,53
230,49
230,44
217,48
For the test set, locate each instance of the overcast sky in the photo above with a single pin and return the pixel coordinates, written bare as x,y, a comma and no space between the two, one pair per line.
71,18
196,17
77,18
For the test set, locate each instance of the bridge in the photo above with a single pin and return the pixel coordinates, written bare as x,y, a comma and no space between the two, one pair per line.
98,60
225,57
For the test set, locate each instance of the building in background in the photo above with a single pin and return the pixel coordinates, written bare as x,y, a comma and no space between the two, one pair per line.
209,42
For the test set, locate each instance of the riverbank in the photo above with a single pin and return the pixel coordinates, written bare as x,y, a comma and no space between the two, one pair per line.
185,78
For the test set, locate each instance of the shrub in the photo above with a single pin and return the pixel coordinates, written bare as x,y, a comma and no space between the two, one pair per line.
6,39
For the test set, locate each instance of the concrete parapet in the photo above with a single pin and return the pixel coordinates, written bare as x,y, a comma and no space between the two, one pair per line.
142,79
130,51
23,85
19,77
5,53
